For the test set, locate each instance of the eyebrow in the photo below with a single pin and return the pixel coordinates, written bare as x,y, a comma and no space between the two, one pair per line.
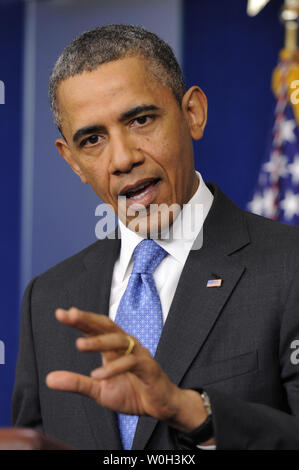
137,110
126,115
85,131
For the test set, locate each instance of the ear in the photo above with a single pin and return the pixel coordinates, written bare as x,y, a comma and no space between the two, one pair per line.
195,109
65,152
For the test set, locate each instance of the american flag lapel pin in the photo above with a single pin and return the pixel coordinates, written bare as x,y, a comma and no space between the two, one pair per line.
214,283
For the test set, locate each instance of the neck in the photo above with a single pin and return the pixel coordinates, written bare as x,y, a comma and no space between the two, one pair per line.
195,185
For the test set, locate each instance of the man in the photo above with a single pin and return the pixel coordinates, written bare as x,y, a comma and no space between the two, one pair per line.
220,319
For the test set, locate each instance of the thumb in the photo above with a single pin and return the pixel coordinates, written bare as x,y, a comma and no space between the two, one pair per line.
72,382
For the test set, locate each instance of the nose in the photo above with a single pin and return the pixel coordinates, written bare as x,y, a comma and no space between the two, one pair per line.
124,153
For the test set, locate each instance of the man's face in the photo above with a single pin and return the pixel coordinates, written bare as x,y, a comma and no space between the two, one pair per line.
126,135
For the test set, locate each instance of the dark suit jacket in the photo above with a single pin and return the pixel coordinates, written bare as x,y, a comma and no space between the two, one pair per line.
233,340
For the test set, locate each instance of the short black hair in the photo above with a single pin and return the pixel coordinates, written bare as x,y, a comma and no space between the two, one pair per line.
112,42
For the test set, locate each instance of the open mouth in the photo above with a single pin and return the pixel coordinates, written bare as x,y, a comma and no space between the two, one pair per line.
141,190
138,191
141,195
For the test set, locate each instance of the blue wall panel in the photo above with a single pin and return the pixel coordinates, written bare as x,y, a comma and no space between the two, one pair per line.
231,57
11,37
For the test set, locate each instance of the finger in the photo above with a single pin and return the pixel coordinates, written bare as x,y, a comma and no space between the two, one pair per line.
88,323
116,367
140,365
117,342
109,356
71,382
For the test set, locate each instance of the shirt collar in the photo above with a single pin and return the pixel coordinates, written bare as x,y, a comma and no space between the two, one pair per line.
182,239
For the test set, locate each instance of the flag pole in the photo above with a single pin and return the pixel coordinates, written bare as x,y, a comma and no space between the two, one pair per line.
289,16
287,71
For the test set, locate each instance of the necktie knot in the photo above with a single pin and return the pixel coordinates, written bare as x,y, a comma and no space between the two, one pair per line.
147,256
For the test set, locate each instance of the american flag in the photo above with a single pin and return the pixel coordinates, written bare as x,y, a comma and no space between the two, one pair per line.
277,192
214,283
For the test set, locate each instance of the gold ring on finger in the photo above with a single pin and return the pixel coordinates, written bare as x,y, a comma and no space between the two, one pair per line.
131,345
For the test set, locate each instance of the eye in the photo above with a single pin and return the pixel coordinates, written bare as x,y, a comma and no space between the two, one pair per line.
142,120
90,141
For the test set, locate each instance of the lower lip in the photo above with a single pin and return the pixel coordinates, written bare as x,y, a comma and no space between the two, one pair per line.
146,199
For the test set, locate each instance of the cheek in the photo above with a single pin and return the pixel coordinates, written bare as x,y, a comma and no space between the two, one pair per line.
172,145
163,148
98,180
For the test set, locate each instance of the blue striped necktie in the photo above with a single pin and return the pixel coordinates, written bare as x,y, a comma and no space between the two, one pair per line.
140,314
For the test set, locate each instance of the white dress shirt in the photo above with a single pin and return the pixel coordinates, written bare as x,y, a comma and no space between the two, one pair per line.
168,272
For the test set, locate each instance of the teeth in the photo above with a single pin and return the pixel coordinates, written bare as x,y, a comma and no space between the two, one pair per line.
140,187
143,186
139,195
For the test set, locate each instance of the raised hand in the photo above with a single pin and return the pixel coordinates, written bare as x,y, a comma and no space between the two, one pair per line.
131,383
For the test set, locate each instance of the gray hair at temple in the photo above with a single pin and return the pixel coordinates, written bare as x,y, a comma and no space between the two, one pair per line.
112,42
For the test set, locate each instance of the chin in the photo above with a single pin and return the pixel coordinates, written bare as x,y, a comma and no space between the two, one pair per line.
153,227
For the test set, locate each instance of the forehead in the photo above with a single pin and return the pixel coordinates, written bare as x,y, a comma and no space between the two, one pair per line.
110,90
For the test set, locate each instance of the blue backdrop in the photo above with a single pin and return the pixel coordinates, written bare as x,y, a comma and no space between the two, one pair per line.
232,56
11,37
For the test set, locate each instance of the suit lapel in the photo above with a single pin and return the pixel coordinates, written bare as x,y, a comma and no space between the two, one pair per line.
196,307
91,292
